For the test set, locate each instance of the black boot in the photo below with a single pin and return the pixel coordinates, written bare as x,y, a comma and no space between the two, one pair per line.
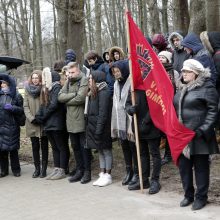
86,177
44,169
77,177
128,176
136,185
37,171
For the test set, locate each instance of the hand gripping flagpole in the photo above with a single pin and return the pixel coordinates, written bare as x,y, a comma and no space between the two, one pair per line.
133,103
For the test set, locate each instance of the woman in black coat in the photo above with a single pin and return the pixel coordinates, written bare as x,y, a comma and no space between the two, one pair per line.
52,115
11,109
196,104
98,127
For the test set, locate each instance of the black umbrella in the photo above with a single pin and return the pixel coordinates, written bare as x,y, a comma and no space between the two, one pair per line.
12,62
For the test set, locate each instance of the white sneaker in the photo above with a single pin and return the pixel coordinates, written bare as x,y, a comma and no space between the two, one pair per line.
105,180
96,183
55,171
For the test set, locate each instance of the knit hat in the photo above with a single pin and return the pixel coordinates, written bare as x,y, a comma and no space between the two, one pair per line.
193,65
166,54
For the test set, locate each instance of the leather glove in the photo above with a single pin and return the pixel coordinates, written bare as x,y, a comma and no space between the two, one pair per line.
198,133
35,122
131,109
8,106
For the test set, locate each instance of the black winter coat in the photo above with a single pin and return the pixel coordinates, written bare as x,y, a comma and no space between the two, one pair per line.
199,109
9,126
98,126
146,128
53,116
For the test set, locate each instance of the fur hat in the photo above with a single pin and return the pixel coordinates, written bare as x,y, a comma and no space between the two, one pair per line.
193,65
166,54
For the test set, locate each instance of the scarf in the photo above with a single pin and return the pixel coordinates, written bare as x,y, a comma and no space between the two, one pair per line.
121,121
33,90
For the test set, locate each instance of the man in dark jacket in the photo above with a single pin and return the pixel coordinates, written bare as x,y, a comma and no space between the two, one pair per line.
193,46
95,62
179,54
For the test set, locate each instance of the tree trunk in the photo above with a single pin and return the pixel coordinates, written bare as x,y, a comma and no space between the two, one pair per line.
98,27
213,15
197,16
164,16
76,27
154,17
181,15
62,30
39,47
140,15
55,31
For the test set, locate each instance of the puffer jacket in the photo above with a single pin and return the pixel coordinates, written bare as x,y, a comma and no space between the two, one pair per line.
98,128
196,104
9,126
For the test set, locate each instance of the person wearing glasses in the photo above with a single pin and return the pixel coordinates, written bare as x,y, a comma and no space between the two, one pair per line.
196,104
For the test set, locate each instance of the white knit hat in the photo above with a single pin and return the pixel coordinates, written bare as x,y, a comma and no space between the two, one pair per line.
166,54
193,65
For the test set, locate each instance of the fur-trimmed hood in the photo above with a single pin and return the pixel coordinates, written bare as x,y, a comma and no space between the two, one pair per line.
172,35
198,82
11,81
118,49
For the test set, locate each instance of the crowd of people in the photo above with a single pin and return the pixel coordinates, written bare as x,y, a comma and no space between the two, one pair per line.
90,106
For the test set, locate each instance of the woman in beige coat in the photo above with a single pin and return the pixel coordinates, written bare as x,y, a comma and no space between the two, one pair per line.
34,130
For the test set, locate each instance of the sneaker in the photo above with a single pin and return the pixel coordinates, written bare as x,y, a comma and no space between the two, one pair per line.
59,175
96,183
105,180
55,171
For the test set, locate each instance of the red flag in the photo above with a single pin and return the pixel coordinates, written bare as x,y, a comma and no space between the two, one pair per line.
149,74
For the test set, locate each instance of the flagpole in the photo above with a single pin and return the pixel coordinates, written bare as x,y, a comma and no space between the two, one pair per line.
133,103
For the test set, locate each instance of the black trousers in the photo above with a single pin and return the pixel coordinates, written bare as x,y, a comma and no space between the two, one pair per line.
200,163
150,147
37,144
130,154
60,148
82,155
14,160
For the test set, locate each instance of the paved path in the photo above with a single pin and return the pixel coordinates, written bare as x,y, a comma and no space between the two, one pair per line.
26,198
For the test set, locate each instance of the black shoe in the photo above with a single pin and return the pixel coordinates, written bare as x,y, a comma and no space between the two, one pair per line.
166,160
198,204
86,177
17,174
77,177
154,187
3,174
186,201
136,186
36,172
72,173
128,176
135,178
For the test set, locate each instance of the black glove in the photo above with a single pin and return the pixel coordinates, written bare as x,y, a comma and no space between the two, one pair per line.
34,121
131,109
198,133
39,119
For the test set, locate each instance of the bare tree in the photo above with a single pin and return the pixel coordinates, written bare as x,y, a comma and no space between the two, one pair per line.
164,16
213,15
181,15
98,26
197,16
